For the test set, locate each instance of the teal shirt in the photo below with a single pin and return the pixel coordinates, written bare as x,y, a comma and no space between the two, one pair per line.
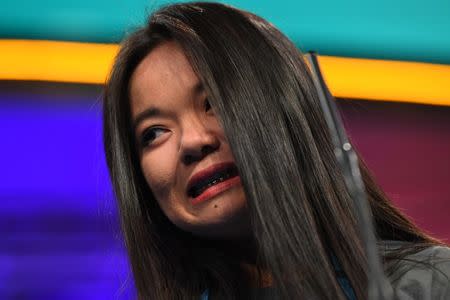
266,292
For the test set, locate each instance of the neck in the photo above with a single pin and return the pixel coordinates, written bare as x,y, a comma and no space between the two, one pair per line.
244,252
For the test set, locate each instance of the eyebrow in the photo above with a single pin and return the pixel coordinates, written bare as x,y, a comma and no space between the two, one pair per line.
152,112
146,114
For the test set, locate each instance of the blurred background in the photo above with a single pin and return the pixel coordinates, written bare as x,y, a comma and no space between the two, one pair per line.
59,231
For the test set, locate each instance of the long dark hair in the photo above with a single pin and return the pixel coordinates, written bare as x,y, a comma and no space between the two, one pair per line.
300,211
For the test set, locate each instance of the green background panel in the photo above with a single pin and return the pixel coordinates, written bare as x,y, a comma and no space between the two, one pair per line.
405,30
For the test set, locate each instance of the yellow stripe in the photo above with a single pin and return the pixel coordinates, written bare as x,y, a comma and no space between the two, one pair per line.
346,77
387,80
55,61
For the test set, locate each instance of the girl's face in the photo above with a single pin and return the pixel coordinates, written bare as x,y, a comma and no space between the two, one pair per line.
184,154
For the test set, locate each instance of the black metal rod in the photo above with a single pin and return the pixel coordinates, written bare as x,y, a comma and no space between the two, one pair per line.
378,285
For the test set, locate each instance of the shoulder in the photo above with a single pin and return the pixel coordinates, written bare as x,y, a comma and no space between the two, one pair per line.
422,275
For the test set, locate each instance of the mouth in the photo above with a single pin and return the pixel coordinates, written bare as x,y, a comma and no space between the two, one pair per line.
212,181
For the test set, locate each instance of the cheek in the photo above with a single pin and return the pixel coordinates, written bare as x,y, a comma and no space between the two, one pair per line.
159,169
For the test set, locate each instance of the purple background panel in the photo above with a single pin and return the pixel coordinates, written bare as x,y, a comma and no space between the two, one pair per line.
58,222
407,147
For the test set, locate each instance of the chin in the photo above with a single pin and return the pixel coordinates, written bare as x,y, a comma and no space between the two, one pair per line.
223,218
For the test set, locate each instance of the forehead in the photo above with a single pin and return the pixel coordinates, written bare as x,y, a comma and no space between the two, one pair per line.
162,77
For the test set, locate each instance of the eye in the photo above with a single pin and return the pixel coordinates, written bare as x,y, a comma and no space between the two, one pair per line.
151,134
207,105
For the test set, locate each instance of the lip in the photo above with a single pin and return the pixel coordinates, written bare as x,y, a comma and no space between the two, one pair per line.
208,172
216,190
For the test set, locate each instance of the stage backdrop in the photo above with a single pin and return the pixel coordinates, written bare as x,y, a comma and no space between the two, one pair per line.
60,237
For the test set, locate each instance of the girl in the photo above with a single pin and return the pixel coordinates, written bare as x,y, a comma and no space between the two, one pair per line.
224,171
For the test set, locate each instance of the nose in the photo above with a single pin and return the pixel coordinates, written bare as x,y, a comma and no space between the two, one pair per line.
197,142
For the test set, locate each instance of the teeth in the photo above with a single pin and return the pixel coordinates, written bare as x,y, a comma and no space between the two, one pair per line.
200,188
215,181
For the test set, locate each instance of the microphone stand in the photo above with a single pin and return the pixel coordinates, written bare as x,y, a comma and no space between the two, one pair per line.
378,285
